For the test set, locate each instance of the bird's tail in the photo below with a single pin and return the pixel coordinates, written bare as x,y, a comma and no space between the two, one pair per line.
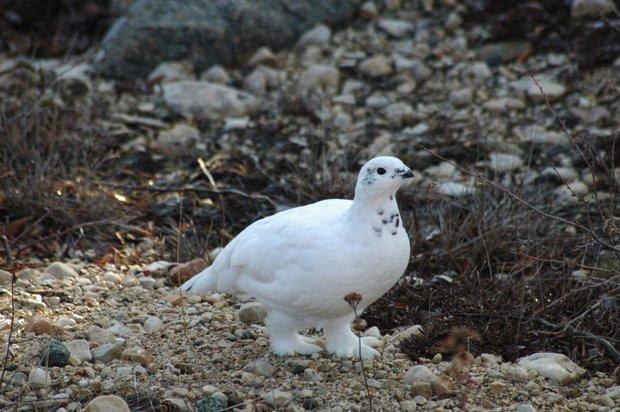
205,281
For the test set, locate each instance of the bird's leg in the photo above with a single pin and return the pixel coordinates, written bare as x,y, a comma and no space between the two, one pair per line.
284,338
342,342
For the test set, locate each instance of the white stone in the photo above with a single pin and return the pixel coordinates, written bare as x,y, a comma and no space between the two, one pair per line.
395,28
207,101
320,76
5,277
152,324
555,366
591,8
317,36
80,350
61,270
455,189
107,403
502,162
277,398
39,378
419,373
376,66
180,135
552,89
172,71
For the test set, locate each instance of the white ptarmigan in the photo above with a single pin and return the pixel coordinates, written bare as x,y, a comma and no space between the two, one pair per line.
302,262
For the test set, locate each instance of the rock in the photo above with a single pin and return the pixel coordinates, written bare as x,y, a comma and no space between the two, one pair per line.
613,392
417,130
501,162
419,373
437,358
171,71
213,403
517,374
252,312
80,350
107,403
421,388
317,36
415,330
277,398
570,190
5,277
260,367
205,32
420,71
409,406
152,324
43,326
559,174
376,66
207,101
183,272
462,97
97,336
320,76
497,53
28,274
525,407
455,189
39,378
263,56
54,354
497,387
555,366
215,74
107,352
537,134
550,88
503,104
399,113
137,355
312,375
181,135
373,332
369,10
591,115
118,329
61,270
591,8
262,79
606,401
395,28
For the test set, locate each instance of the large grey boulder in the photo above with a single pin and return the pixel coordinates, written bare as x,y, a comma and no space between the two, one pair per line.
208,32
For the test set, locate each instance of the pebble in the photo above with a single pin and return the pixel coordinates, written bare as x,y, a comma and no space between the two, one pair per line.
552,89
419,373
317,36
152,324
107,403
312,375
376,66
591,8
555,366
263,56
203,100
395,28
215,74
525,407
497,387
54,354
171,71
462,97
277,398
501,162
61,270
39,378
180,134
398,113
5,277
252,312
214,403
40,325
260,367
420,388
368,10
80,350
107,352
320,76
503,104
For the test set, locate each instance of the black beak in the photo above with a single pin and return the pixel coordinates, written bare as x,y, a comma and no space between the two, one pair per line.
408,174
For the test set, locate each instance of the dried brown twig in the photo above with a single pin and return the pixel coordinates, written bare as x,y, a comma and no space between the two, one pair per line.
11,265
353,299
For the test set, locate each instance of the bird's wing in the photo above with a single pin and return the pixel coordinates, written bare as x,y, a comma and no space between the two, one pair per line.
275,251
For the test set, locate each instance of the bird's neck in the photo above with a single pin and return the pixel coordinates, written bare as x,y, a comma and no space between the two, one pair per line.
373,207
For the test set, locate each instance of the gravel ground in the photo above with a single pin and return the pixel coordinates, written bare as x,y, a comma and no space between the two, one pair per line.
385,86
152,349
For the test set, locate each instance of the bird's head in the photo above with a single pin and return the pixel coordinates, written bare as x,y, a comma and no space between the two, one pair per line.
381,176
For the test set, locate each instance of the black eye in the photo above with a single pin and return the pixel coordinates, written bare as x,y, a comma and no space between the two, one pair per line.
381,171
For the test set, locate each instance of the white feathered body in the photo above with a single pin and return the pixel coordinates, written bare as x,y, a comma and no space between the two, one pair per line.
303,261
